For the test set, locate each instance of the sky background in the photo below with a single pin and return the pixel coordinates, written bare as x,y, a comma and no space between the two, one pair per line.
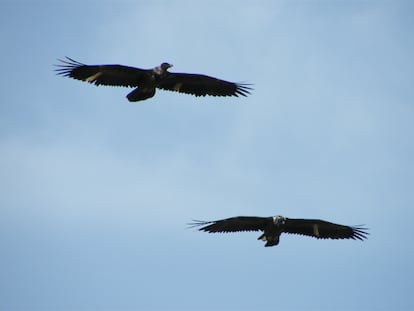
96,192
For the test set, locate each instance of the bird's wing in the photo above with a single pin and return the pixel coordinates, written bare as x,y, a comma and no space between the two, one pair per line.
115,75
234,224
202,85
323,229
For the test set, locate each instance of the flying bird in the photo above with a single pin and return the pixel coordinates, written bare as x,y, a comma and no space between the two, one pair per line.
273,227
146,81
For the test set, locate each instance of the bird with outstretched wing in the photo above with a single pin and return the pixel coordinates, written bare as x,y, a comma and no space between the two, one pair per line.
273,227
146,81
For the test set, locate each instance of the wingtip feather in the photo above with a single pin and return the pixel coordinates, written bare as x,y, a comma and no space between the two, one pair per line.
198,223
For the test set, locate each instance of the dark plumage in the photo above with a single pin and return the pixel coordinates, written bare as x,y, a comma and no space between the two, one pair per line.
146,81
273,227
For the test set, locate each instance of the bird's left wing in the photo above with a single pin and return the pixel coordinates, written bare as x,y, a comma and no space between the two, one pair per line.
115,75
323,229
202,85
234,224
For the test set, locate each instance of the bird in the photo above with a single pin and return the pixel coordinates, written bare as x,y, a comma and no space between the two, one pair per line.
274,226
146,81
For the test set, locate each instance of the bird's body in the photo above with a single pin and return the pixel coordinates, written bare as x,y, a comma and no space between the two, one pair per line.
146,81
273,227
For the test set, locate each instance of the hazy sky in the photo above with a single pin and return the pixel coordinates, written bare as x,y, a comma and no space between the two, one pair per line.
96,192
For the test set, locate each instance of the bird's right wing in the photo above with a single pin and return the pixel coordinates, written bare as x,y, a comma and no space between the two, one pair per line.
202,85
234,224
115,75
321,229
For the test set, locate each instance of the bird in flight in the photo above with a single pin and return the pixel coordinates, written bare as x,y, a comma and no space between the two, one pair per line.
273,227
146,81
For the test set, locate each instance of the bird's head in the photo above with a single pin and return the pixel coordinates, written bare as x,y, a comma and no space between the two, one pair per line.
165,66
161,69
278,220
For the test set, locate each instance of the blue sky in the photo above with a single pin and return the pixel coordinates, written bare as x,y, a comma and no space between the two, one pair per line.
96,192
